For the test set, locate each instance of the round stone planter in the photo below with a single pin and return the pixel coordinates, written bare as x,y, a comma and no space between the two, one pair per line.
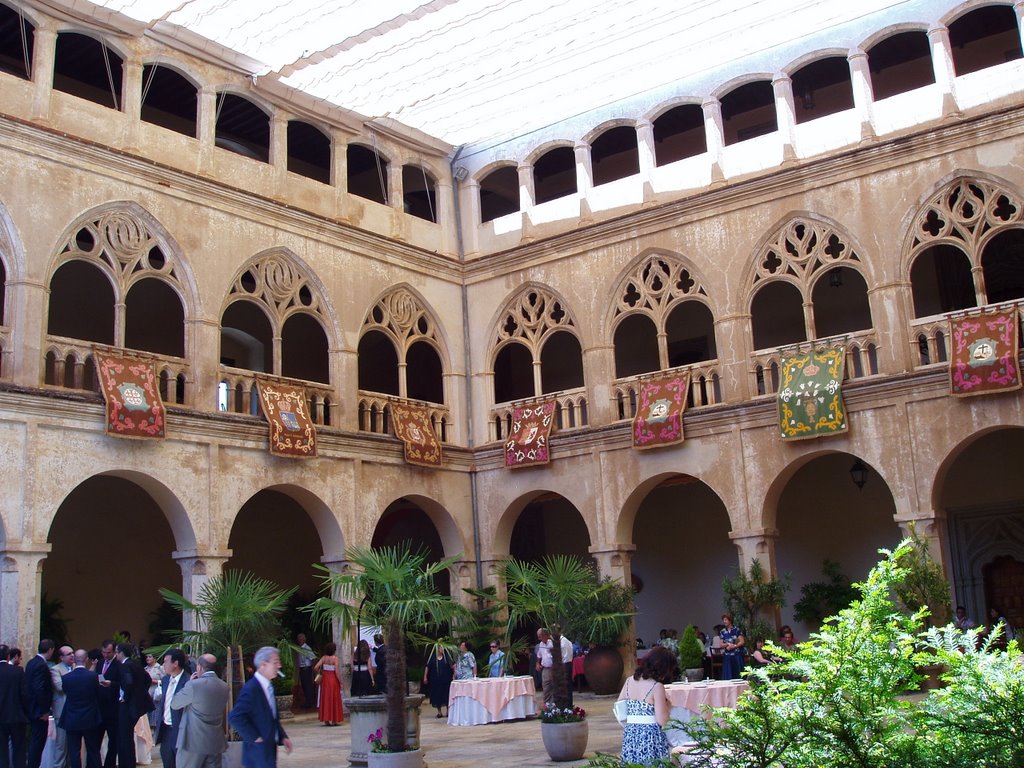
411,759
368,713
565,741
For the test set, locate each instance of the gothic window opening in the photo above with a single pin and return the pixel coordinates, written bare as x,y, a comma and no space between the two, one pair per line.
87,68
81,303
246,338
900,63
614,155
690,331
242,127
554,174
513,373
561,363
17,41
304,349
367,174
777,315
679,133
1002,263
169,99
822,88
154,318
940,280
636,346
749,111
309,151
400,349
419,192
983,38
499,193
840,300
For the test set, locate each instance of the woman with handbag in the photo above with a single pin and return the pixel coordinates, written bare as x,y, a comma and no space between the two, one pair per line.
326,671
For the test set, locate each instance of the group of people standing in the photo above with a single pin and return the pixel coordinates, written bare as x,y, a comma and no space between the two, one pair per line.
107,694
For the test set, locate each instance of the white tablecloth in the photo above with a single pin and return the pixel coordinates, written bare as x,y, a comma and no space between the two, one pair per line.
491,700
690,699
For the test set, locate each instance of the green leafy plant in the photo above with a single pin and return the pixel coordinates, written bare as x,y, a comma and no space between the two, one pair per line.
748,596
819,599
923,584
691,652
607,597
394,588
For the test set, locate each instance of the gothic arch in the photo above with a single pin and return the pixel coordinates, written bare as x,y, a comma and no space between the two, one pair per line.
654,284
894,29
626,519
119,238
404,316
529,317
452,539
942,470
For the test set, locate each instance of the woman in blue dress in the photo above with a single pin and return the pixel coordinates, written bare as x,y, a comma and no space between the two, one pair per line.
732,648
647,708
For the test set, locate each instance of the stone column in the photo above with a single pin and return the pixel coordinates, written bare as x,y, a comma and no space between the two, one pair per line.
26,317
785,112
863,97
444,202
714,132
647,157
461,578
584,179
196,570
21,573
131,88
396,190
337,563
278,150
44,46
891,309
527,191
469,216
734,342
757,544
201,343
599,372
942,63
206,128
613,561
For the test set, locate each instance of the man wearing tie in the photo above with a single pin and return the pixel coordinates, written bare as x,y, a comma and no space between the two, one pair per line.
255,714
40,699
64,664
80,717
110,689
201,740
134,703
174,680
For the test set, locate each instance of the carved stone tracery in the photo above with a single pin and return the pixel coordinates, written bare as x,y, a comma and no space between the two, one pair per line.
965,213
655,287
276,282
532,315
402,315
800,250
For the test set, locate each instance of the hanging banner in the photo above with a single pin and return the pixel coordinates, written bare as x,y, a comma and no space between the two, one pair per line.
134,406
292,432
413,427
659,411
984,355
810,394
528,442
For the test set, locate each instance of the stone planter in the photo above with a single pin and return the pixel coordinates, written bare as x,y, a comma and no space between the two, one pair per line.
694,675
411,759
565,741
284,706
368,713
603,667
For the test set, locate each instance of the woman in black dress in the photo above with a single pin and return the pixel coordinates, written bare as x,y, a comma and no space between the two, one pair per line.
437,676
362,679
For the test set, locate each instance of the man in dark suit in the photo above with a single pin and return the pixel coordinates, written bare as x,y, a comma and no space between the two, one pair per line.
40,698
175,678
13,712
110,690
201,740
255,714
134,703
80,717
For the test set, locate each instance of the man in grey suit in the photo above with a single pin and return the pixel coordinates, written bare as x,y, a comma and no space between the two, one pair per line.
201,740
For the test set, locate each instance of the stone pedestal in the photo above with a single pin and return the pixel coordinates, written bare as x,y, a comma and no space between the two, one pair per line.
368,713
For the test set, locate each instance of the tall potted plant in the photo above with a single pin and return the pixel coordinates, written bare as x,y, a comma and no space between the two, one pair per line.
546,594
394,588
603,665
691,655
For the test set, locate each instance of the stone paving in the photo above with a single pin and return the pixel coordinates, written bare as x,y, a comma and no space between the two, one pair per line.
500,745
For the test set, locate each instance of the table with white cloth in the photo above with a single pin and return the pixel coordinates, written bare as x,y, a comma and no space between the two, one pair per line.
491,700
690,700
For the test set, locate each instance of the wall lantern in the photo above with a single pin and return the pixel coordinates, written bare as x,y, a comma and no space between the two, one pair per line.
859,474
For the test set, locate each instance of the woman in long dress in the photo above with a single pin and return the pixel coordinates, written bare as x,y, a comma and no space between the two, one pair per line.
362,675
465,667
331,710
437,676
648,708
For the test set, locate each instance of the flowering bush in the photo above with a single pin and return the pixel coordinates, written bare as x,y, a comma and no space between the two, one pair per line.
376,741
553,714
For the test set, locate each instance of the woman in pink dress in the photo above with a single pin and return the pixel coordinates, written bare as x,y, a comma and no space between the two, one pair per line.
331,712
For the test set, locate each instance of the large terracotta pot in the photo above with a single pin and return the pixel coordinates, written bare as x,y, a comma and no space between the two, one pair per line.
603,667
565,741
411,759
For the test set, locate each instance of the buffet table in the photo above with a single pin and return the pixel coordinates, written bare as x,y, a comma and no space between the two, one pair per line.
491,700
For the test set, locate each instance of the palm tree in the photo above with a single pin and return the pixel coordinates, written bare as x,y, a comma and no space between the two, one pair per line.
546,593
234,609
394,588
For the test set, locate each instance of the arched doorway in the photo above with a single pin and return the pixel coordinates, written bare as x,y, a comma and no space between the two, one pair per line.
405,522
111,552
549,525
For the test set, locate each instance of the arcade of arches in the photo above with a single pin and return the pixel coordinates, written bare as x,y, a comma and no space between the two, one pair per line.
714,242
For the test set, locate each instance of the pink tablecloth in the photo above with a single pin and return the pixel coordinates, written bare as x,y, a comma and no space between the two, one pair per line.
577,666
695,696
494,695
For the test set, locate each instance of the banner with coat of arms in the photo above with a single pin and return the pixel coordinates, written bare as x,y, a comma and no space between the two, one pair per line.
292,432
413,427
528,442
984,356
811,396
659,411
134,406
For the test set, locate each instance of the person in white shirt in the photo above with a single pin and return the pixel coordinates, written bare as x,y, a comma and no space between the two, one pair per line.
544,662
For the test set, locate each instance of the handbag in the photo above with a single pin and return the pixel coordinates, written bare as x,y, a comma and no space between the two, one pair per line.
619,710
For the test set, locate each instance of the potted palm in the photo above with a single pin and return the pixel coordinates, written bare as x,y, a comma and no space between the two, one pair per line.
547,594
394,588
